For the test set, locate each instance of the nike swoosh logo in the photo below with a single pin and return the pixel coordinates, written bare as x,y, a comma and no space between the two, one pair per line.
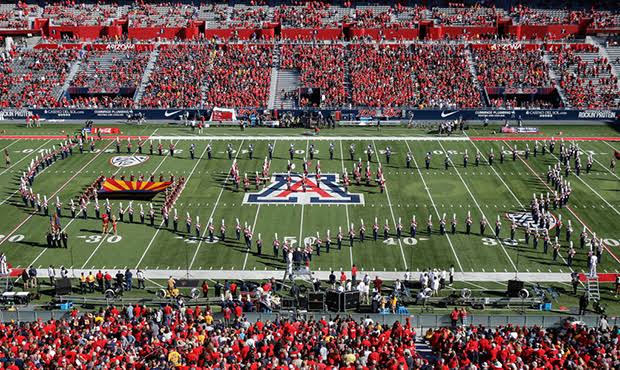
444,115
171,113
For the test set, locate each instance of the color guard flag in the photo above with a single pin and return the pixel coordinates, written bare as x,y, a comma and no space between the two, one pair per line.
139,190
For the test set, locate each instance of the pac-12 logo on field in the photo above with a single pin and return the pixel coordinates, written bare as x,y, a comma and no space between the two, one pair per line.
523,219
329,191
128,160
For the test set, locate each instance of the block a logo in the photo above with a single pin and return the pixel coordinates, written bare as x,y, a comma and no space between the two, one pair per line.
329,191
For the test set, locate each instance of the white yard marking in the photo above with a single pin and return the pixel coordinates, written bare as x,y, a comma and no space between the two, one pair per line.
430,197
191,173
126,208
54,194
387,194
11,144
301,222
521,205
605,167
478,205
217,201
346,206
567,207
245,260
35,153
315,138
594,191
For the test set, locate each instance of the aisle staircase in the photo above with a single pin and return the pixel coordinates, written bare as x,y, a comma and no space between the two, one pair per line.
273,85
592,285
484,98
555,77
146,76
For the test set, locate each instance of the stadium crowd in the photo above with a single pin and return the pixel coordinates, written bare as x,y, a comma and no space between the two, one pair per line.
240,76
79,14
312,14
582,81
190,337
383,75
178,76
320,66
511,67
33,78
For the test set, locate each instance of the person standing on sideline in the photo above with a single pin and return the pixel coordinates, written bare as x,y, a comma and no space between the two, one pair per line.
141,279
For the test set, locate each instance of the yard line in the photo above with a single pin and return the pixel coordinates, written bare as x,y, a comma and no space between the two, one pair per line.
477,205
346,206
594,191
56,192
11,144
77,215
126,208
513,194
217,201
245,261
435,207
609,145
35,152
605,167
567,206
162,222
316,138
387,194
301,222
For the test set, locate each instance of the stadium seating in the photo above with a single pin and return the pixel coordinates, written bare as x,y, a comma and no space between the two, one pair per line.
80,15
34,77
586,78
178,77
240,76
136,336
422,76
321,67
104,73
511,67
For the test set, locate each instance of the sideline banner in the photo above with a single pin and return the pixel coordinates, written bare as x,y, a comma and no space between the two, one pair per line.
396,114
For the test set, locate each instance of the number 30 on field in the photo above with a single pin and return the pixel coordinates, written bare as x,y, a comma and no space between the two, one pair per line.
97,238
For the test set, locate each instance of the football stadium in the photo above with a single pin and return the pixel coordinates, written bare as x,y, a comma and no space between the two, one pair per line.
309,185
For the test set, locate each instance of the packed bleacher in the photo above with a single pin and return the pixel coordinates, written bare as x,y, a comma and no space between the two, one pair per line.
161,14
467,16
194,337
423,76
179,76
321,67
17,16
511,67
240,76
312,14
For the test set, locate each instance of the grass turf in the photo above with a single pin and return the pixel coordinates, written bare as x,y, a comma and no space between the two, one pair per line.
482,190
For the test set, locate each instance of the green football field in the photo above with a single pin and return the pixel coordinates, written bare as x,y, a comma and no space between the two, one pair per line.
485,190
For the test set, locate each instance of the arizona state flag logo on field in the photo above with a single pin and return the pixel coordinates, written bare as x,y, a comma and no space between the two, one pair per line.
120,189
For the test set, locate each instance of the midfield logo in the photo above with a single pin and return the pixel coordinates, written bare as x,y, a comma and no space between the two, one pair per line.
523,219
329,192
128,160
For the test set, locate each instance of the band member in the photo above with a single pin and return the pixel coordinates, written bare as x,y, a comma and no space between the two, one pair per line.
429,225
197,227
427,160
386,230
331,150
502,156
171,149
453,224
413,227
569,231
276,246
399,229
468,223
442,225
211,230
270,150
339,238
491,157
259,245
188,223
209,151
483,225
175,221
375,230
465,159
498,227
223,231
192,149
513,230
